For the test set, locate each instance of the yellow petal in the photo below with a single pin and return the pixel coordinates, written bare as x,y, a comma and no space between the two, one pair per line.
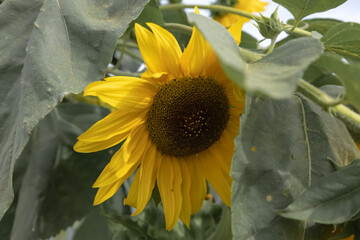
235,30
170,49
118,123
88,147
198,186
169,183
194,57
216,176
133,193
150,49
147,174
126,93
125,160
107,192
185,212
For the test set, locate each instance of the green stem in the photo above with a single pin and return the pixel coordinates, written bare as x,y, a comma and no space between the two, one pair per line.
179,27
272,44
120,42
123,47
349,117
212,7
225,9
118,72
131,54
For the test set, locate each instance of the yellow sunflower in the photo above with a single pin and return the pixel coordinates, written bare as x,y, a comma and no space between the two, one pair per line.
250,6
178,120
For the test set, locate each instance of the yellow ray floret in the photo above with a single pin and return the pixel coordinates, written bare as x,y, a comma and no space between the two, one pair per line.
249,6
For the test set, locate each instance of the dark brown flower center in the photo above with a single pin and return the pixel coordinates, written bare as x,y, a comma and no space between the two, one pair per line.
188,115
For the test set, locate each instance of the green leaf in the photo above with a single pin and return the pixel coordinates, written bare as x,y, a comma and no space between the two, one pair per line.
283,148
320,25
303,8
223,45
333,199
223,230
49,200
277,74
347,73
248,41
344,39
54,48
151,13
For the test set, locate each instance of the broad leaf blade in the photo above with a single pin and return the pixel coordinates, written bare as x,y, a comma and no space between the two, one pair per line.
283,147
344,39
277,74
67,47
334,199
303,8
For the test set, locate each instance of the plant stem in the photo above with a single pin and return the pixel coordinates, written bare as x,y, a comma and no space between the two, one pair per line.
179,27
118,72
348,116
123,47
272,44
131,54
225,9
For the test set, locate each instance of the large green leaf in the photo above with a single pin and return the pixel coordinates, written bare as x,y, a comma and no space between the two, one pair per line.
49,200
303,8
50,48
283,147
277,74
349,74
333,199
343,39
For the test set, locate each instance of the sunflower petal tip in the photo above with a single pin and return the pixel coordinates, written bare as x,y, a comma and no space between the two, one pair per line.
196,10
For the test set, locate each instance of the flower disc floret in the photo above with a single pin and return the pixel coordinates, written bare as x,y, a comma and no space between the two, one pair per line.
188,115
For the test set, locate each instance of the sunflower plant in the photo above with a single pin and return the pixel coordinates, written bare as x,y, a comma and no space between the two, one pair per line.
147,120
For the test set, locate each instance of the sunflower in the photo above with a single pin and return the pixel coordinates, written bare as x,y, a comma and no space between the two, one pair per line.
250,6
178,120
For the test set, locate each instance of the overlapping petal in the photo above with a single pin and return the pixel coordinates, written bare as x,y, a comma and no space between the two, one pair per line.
169,182
125,160
125,93
169,48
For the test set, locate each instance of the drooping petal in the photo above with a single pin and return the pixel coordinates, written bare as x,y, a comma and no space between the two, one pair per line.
170,49
118,123
217,177
185,212
169,182
150,49
133,194
147,177
127,159
126,93
198,186
104,193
